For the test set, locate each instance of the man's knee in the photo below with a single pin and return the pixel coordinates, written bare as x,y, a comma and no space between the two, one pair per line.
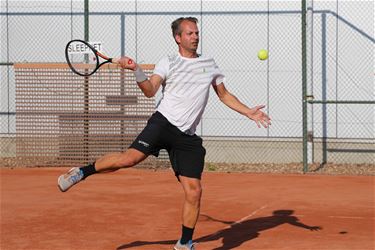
130,158
193,194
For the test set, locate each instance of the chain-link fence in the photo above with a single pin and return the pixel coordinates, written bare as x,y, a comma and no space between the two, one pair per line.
340,68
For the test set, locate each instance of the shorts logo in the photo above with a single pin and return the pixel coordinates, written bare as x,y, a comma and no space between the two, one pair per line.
144,143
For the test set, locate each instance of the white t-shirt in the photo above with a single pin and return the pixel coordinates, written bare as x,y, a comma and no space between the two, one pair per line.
185,89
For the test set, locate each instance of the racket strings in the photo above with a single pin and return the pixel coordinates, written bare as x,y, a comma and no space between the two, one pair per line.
81,58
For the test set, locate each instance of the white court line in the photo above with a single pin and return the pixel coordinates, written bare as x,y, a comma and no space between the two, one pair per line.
248,216
240,220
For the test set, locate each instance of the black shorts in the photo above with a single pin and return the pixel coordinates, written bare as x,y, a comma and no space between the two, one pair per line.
186,152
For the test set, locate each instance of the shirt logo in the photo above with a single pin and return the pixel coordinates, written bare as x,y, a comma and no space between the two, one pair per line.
144,143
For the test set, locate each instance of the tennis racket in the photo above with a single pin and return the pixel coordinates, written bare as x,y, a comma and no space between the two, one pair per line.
84,59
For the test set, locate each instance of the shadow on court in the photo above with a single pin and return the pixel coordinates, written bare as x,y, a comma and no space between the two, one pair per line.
237,233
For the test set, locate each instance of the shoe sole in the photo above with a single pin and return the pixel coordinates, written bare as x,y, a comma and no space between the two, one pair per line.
174,248
58,184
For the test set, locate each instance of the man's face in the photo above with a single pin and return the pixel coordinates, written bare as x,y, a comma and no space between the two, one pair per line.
189,38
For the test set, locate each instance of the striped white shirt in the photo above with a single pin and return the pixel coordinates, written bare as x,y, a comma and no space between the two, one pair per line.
185,89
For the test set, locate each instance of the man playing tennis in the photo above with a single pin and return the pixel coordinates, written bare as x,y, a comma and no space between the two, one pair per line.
185,79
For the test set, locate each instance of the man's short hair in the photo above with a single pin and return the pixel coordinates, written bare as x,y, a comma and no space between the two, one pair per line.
176,30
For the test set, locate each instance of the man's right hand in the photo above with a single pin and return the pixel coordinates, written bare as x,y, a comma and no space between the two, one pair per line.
127,63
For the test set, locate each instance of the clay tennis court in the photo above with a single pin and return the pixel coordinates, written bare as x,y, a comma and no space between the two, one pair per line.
140,209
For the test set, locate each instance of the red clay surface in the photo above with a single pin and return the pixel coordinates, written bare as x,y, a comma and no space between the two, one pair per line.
140,209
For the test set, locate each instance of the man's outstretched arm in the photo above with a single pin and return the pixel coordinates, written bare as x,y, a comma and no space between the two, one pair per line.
255,114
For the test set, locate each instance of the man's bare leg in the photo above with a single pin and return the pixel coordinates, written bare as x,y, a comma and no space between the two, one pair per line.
115,161
193,193
107,163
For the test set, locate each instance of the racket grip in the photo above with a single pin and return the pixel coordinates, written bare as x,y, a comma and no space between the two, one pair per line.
116,61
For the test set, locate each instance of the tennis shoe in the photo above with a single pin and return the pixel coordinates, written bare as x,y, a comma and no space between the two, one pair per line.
188,246
69,179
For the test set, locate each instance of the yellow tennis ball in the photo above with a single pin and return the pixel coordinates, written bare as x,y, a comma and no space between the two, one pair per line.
263,54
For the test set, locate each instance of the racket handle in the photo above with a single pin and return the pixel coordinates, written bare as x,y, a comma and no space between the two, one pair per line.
116,60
